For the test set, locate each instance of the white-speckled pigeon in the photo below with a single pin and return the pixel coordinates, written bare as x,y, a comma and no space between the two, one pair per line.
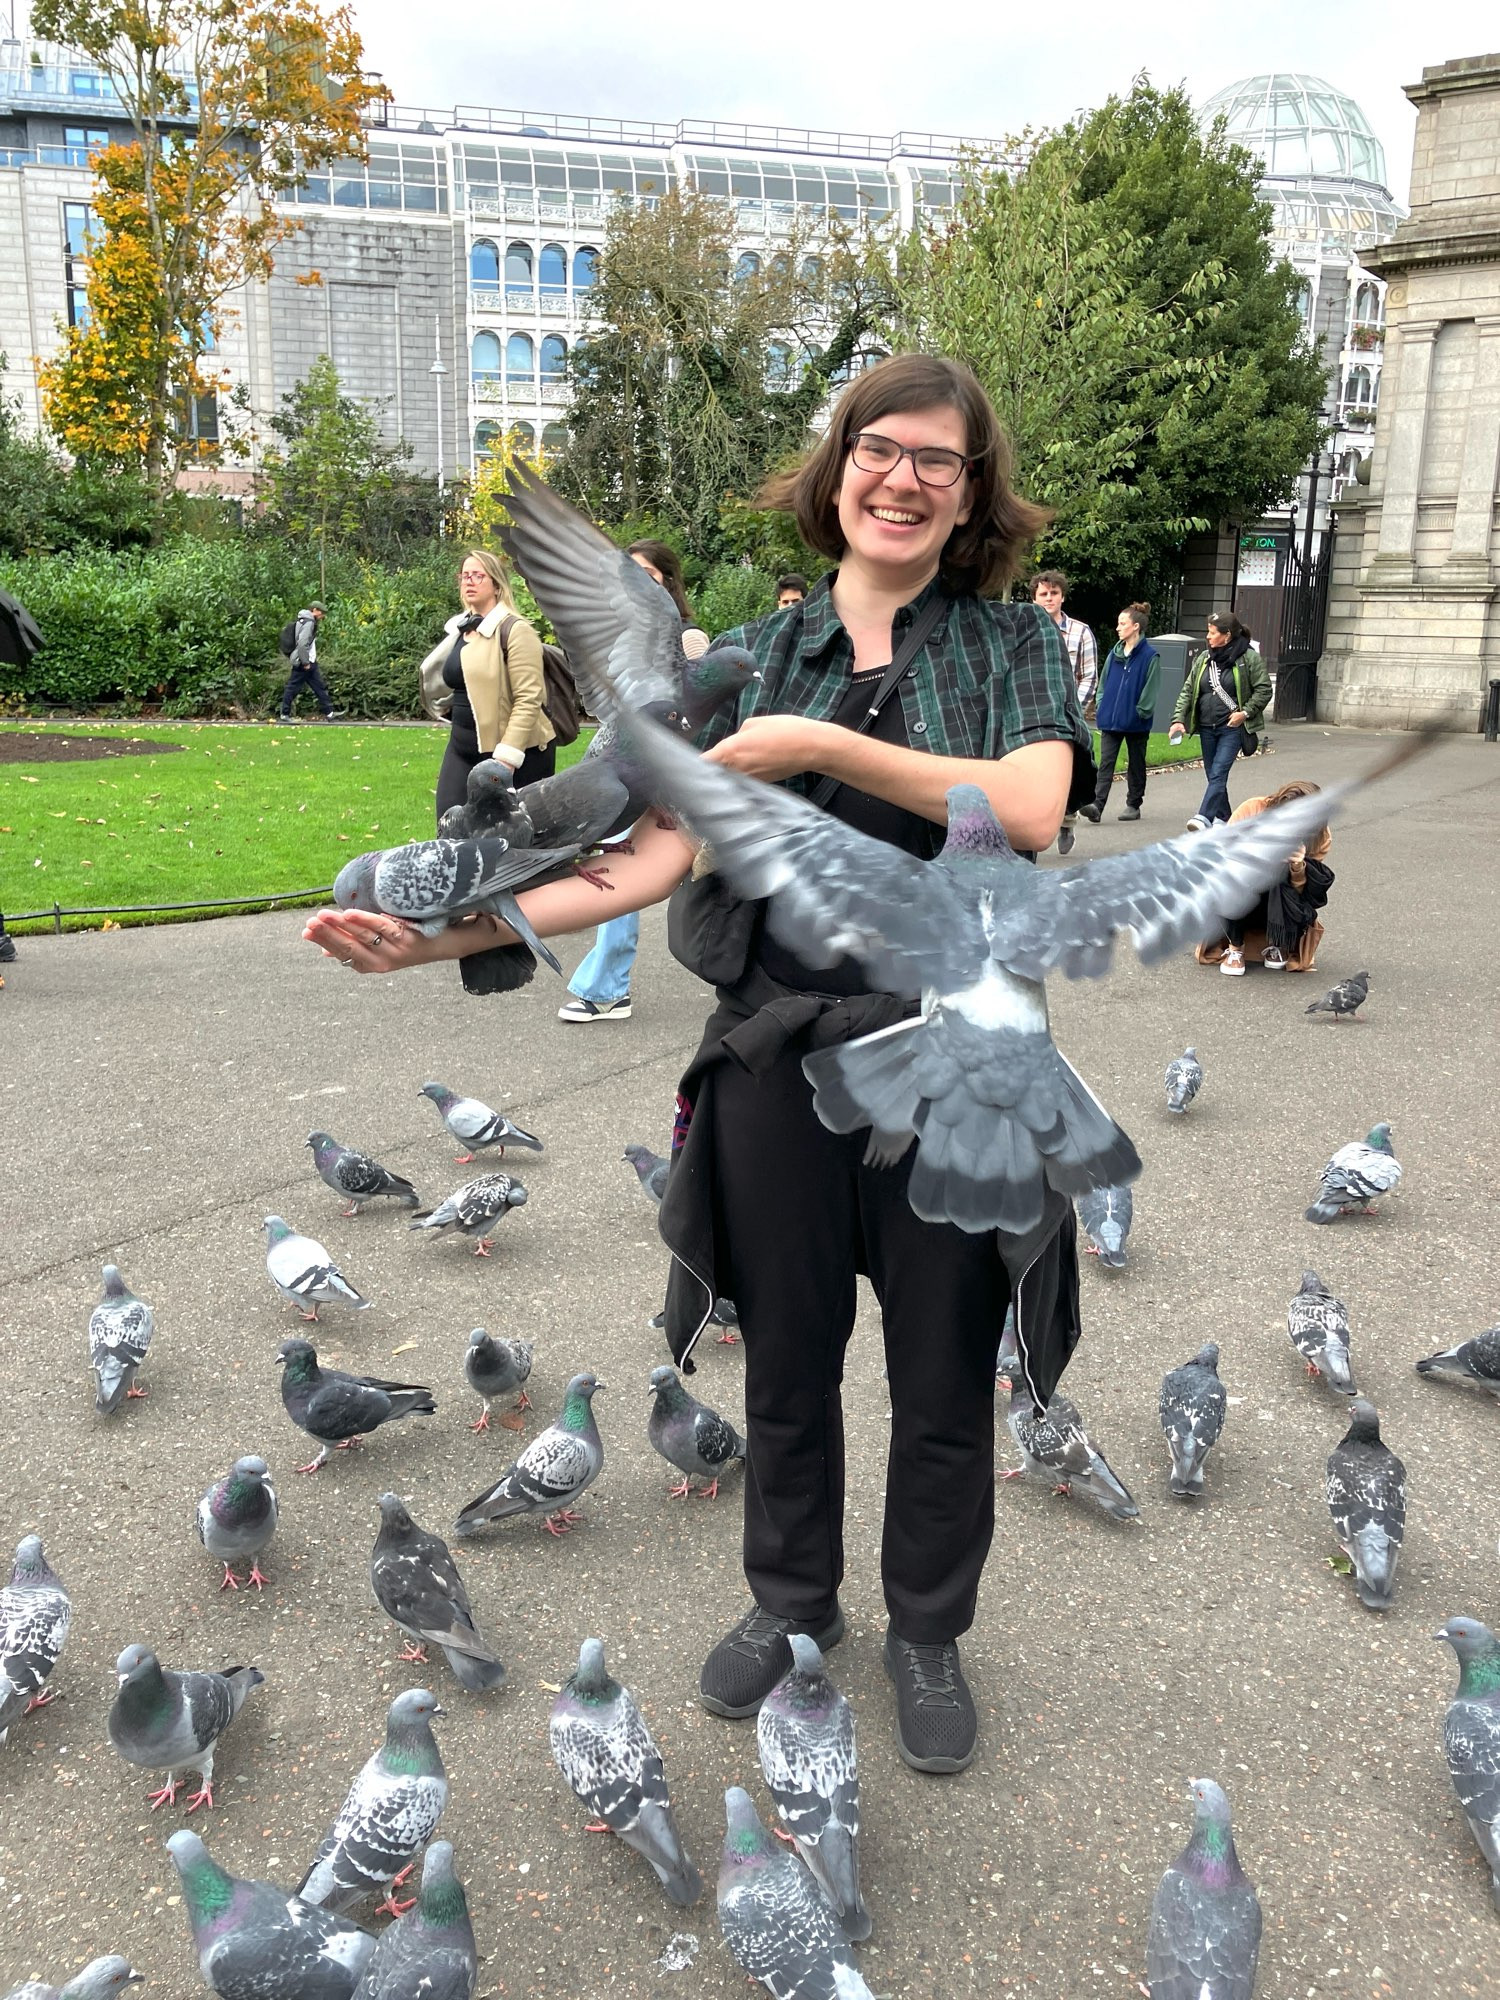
428,1954
339,1409
805,1732
1191,1408
237,1518
1184,1080
303,1272
165,1721
356,1176
391,1813
432,883
551,1473
689,1435
1473,1364
1356,1177
1318,1324
1367,1503
96,1982
120,1329
35,1614
494,1367
604,1750
418,1587
1344,999
1054,1445
775,1921
1471,1736
475,1125
650,1170
476,1209
257,1942
1204,1938
1106,1214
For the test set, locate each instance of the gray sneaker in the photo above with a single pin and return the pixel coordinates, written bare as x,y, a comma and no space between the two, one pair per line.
936,1726
1066,839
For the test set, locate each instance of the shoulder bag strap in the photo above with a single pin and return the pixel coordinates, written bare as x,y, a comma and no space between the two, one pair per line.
920,631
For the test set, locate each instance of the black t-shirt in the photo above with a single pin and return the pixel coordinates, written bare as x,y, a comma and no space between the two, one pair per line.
461,715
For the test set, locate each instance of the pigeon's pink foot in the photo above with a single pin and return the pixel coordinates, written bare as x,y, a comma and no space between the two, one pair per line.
709,1492
598,1826
560,1522
1063,1491
462,1159
231,1581
728,1339
350,1444
411,1652
257,1576
312,1315
782,1834
483,1423
396,1907
680,1492
134,1395
40,1701
1014,1472
349,1211
313,1464
592,875
167,1796
1092,1250
202,1798
524,1402
1313,1370
481,1248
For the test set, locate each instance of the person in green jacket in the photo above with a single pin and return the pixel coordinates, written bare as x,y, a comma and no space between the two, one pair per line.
1223,699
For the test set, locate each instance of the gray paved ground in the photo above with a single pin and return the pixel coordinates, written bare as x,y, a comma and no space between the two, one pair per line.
158,1086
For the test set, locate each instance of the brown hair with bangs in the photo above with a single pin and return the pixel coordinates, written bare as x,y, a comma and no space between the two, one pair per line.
984,553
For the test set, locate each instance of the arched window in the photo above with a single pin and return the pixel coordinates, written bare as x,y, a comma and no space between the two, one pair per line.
518,268
585,267
552,269
520,356
554,357
1367,306
484,267
778,365
484,358
523,438
748,266
1358,389
486,437
555,438
812,270
1303,300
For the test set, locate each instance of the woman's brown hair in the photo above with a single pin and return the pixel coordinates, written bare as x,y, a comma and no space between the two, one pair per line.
1301,788
984,553
1140,617
666,560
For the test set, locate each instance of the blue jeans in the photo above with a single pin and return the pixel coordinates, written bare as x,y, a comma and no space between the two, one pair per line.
1220,748
605,973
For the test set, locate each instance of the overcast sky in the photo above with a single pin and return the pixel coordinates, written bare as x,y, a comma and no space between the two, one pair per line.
978,68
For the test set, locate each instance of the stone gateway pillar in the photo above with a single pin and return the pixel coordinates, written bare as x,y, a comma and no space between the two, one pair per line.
1414,597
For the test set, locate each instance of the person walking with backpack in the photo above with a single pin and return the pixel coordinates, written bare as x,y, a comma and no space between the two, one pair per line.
1127,699
299,644
1226,693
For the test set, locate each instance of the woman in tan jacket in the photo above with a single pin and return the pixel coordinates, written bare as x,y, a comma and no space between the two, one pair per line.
1283,927
484,677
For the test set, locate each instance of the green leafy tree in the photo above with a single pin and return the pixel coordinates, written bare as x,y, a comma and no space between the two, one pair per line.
332,471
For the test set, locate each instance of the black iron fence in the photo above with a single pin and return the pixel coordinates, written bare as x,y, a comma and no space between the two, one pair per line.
1304,620
55,913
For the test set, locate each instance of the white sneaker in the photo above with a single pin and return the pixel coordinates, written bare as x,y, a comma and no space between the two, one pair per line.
1197,824
1233,962
1272,959
595,1010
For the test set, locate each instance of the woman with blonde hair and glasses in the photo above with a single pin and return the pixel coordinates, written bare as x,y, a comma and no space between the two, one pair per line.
484,677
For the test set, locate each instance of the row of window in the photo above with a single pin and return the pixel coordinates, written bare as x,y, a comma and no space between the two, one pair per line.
488,434
522,270
519,359
1361,389
491,170
395,176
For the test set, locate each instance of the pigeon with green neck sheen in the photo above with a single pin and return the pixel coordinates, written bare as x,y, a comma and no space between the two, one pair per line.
418,1587
356,1176
237,1518
775,1920
303,1272
257,1942
166,1721
96,1982
1472,1364
604,1750
1471,1736
1357,1176
35,1613
689,1435
428,1954
391,1813
1318,1326
339,1409
805,1733
475,1125
552,1472
1191,1407
1367,1503
1204,1938
120,1330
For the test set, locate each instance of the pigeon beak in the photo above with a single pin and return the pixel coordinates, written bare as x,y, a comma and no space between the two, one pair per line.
439,1711
600,1385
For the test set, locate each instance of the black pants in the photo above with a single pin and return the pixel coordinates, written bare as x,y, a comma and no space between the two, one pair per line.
462,754
1135,766
801,1216
1285,911
304,677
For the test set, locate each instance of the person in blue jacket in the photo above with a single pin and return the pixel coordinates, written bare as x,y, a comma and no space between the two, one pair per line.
1127,697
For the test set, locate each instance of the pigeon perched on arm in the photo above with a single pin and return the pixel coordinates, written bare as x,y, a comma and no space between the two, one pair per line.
237,1518
356,1176
1474,1363
651,1171
1367,1501
120,1329
1054,1445
391,1813
166,1721
474,1125
551,1473
689,1435
429,1953
476,1209
1106,1214
805,1732
1318,1325
1191,1408
1344,999
339,1409
257,1942
1357,1176
777,1925
418,1587
35,1613
1471,1736
494,1368
96,1982
1184,1080
1204,1939
604,1750
302,1271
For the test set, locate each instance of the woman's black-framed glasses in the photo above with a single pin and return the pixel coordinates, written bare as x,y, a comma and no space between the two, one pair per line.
932,463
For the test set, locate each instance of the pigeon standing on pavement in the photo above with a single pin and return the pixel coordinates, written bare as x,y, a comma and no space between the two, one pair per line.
257,1942
1471,1736
1367,1501
120,1329
303,1272
35,1613
429,1953
165,1721
418,1587
237,1518
1318,1324
391,1813
551,1473
1473,1364
495,1368
356,1176
650,1170
805,1732
689,1435
1106,1214
476,1209
1344,999
604,1750
1356,1177
1191,1408
475,1125
339,1409
776,1924
1204,1938
96,1982
1184,1080
1054,1445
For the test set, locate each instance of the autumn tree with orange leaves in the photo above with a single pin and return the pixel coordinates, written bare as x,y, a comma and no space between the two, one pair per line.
229,105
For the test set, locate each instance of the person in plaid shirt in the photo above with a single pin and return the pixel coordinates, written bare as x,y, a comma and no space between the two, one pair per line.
1049,587
909,494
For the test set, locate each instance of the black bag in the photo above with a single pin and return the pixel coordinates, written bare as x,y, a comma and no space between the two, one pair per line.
286,645
559,690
